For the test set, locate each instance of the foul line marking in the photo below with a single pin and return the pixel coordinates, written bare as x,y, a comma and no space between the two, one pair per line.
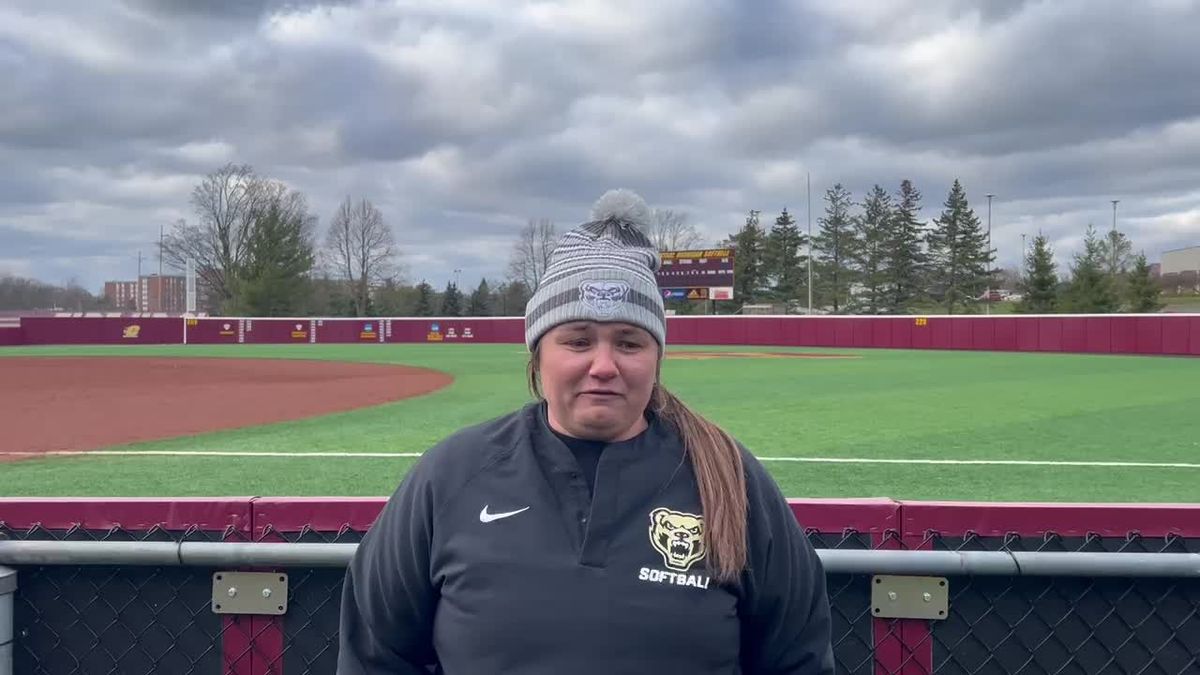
808,460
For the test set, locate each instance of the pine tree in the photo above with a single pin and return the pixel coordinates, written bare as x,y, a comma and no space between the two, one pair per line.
480,300
1116,252
451,300
1039,285
509,298
784,259
959,254
424,304
834,246
1143,293
274,277
1091,290
871,253
748,272
907,263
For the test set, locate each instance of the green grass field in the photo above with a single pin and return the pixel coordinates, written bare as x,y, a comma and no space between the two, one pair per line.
894,405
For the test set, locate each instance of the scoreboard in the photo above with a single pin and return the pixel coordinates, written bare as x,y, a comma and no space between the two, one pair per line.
700,274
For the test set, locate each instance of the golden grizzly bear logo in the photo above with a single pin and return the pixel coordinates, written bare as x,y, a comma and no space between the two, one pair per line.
679,537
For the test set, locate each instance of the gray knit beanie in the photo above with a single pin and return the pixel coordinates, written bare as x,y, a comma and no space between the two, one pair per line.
602,270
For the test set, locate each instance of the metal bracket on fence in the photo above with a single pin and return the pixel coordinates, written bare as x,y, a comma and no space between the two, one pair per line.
249,593
899,597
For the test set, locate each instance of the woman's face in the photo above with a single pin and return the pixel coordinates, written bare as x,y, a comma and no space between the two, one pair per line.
597,378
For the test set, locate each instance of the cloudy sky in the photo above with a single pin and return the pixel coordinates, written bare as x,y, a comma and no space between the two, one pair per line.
462,119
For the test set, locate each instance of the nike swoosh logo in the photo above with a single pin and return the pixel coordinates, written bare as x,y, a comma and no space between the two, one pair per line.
485,517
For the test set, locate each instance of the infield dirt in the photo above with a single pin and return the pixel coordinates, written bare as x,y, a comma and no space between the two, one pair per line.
84,403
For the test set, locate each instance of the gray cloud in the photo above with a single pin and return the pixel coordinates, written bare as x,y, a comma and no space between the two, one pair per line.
463,119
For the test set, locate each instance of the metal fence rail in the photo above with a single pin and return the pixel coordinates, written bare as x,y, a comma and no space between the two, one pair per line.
1099,592
835,561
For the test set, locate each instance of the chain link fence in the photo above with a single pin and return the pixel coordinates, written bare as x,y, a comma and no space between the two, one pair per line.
158,619
117,619
310,628
1065,625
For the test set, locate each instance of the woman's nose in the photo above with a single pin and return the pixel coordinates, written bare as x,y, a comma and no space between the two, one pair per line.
603,363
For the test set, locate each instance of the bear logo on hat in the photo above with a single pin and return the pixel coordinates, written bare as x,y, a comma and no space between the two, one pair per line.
605,297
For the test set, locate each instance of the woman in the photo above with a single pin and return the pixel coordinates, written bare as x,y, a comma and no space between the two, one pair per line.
604,528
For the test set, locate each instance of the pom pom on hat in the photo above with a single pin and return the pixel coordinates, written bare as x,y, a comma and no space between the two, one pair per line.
624,205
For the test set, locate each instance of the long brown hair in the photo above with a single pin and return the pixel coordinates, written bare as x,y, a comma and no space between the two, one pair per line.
716,461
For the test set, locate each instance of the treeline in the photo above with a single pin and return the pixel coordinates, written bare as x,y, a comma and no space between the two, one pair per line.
880,256
1104,277
258,250
874,256
24,293
391,298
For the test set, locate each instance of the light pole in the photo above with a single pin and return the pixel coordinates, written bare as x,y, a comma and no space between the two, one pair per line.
988,306
808,190
1112,237
1022,267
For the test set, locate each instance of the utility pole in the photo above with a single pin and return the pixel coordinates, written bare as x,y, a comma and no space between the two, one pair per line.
988,305
1022,267
1112,237
138,284
160,279
808,190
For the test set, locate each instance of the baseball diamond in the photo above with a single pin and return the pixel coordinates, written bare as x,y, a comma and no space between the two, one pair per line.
320,419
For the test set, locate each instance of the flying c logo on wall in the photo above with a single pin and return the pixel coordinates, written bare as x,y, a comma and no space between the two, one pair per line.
131,332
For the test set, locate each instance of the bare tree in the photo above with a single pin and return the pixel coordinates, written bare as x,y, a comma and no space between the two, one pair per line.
361,249
531,252
26,293
671,231
225,203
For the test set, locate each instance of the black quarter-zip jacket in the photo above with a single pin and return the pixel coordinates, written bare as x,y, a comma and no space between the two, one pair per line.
492,556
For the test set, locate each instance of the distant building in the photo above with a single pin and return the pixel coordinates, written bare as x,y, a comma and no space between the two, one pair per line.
148,294
1181,260
1180,269
122,294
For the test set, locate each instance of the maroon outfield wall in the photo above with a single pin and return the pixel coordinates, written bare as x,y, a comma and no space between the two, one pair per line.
46,330
1164,334
1106,334
11,335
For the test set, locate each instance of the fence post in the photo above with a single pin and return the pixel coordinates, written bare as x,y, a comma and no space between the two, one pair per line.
8,586
902,646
